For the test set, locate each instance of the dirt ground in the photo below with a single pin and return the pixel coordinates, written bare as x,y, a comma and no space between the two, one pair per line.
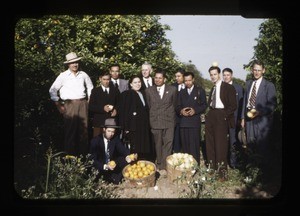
165,189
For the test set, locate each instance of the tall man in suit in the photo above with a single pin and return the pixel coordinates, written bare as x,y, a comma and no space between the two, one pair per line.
220,117
147,80
235,145
116,81
108,153
161,99
179,85
257,113
191,104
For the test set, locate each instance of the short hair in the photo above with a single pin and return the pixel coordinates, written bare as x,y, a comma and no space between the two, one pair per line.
180,70
228,70
161,71
114,65
257,62
188,73
214,68
148,64
104,73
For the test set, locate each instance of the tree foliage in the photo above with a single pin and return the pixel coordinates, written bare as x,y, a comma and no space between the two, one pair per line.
41,45
269,49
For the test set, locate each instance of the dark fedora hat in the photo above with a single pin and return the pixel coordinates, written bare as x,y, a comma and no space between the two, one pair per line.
242,137
110,123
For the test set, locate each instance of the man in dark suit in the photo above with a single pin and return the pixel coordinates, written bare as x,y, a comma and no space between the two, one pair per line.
109,154
103,103
191,104
161,99
179,85
147,80
235,145
257,114
220,117
116,81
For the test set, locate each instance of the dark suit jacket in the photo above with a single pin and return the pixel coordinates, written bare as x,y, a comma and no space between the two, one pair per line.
239,100
98,100
196,100
228,98
117,151
143,87
265,104
162,111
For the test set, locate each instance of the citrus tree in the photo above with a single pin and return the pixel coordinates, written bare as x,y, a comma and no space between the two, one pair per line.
42,43
270,51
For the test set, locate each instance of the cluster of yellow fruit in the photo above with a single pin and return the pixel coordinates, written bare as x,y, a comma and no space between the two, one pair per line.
112,164
181,161
139,170
133,156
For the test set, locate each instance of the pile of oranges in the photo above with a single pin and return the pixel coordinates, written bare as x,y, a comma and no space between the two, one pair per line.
139,170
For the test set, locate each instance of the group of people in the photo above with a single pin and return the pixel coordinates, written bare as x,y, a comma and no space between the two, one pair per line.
157,119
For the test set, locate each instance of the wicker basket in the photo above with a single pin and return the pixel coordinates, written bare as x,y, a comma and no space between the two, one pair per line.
148,181
176,175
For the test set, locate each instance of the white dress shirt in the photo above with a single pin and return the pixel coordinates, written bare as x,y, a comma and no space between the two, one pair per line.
71,86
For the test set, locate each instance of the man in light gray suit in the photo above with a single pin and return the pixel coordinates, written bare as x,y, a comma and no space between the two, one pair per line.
257,114
121,84
162,99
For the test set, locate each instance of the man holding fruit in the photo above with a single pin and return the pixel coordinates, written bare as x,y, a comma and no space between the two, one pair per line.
258,107
109,154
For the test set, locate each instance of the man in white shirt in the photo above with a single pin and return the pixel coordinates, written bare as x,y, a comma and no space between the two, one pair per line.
147,80
115,81
74,89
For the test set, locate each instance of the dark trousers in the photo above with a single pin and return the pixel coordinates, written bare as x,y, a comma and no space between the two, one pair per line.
235,147
216,130
76,132
190,139
177,140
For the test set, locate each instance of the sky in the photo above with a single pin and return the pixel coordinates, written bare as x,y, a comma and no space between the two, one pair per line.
228,40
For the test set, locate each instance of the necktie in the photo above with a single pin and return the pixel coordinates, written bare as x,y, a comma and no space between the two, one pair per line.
189,91
106,91
159,93
213,98
253,96
116,84
107,157
148,84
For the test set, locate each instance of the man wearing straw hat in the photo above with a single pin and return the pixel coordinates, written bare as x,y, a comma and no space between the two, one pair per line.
74,88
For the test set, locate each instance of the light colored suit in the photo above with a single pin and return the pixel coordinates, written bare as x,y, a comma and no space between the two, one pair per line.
123,84
162,120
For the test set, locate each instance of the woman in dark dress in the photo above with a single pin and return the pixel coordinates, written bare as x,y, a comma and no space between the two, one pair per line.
134,119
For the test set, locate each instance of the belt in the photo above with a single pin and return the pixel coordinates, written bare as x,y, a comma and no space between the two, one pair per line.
74,100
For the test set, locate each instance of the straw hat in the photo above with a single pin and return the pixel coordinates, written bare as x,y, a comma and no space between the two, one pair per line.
72,57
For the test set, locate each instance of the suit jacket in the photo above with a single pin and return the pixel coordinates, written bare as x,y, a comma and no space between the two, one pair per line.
228,98
123,85
196,100
178,116
143,87
97,102
117,151
162,110
265,104
239,100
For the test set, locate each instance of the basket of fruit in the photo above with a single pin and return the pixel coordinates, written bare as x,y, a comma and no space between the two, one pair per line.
140,173
180,166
